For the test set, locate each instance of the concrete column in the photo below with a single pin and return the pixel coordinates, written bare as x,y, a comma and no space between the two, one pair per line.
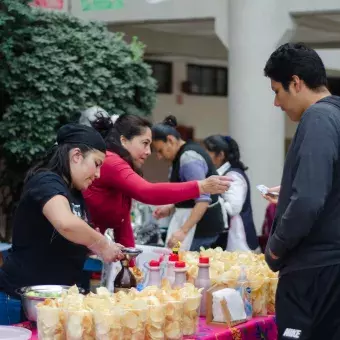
255,29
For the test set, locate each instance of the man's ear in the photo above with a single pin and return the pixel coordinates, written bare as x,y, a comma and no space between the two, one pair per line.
297,83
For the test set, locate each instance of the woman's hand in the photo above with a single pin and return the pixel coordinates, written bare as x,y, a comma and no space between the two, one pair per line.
270,197
108,250
214,185
163,211
178,235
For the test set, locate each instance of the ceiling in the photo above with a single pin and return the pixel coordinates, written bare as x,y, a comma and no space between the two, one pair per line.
204,27
318,30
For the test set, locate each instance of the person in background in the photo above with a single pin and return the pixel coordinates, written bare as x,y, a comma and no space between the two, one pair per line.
109,198
225,155
267,225
89,115
195,223
51,234
269,216
304,244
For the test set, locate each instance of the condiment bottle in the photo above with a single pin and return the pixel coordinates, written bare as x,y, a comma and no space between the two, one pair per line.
170,271
124,279
180,274
203,281
154,274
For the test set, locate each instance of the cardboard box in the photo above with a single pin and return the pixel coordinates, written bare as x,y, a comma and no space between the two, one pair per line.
209,314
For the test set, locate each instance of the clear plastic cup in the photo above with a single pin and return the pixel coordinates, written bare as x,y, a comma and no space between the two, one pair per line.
133,323
108,324
155,323
272,287
174,312
79,324
191,314
50,323
259,296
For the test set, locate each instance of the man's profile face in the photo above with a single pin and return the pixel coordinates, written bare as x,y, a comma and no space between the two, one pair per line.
287,100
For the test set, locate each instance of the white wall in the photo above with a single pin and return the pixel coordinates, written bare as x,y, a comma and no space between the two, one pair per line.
206,114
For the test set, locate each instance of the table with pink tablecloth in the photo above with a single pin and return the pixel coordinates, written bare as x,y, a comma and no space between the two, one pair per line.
260,328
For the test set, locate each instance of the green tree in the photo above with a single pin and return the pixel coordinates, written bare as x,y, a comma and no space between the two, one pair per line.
52,66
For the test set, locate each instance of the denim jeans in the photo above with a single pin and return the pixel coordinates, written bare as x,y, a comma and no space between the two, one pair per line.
205,242
10,310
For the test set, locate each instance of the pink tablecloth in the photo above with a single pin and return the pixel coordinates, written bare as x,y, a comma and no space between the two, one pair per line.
261,328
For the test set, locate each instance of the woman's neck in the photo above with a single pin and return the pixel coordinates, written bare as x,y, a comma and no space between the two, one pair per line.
180,143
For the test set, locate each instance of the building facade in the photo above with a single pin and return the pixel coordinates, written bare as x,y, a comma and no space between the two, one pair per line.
208,57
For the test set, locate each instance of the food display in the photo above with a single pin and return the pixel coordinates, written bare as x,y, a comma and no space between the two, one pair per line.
225,269
156,312
152,314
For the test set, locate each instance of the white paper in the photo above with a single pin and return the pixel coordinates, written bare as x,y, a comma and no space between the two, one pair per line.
234,303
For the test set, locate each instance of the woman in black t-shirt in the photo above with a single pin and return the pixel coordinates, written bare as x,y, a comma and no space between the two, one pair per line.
51,235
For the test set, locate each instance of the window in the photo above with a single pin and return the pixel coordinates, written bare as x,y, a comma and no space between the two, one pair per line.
162,72
208,80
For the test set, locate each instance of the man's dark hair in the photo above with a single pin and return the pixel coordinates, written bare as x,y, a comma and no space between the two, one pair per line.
296,59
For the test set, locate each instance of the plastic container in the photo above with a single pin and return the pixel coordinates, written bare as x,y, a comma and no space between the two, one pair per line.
154,274
170,271
14,333
273,281
155,323
203,281
174,313
108,324
180,274
133,322
191,315
243,287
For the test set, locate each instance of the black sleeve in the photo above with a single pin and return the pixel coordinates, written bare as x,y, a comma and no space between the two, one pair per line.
47,185
316,152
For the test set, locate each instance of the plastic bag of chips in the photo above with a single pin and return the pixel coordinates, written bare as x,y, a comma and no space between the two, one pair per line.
174,313
259,295
155,322
108,324
79,325
50,321
272,287
134,320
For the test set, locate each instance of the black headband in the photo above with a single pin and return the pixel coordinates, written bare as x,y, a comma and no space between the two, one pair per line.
81,134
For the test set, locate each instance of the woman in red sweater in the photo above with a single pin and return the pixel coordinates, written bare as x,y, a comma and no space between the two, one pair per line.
109,198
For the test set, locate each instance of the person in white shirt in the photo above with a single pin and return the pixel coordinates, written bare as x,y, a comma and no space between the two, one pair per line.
225,155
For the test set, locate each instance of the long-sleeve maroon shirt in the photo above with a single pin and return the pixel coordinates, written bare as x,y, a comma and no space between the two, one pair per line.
109,197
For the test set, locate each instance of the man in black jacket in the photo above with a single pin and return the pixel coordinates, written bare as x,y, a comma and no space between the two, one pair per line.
304,244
